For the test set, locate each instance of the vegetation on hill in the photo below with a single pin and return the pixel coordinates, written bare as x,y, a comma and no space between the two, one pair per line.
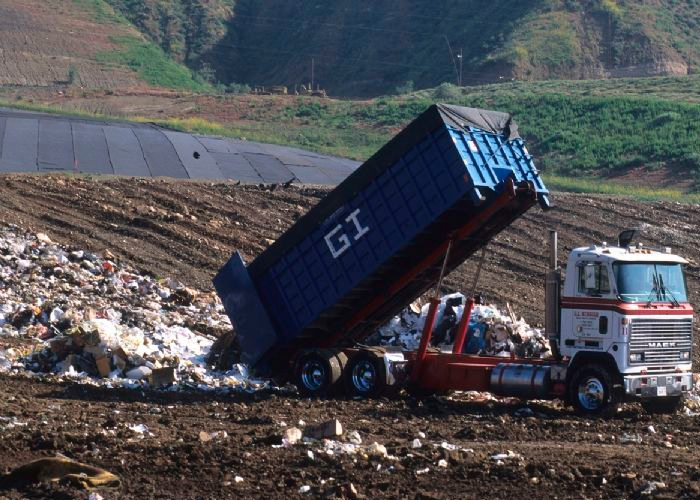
372,48
184,29
150,62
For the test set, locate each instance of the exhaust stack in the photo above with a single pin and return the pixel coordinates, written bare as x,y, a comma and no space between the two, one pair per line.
552,289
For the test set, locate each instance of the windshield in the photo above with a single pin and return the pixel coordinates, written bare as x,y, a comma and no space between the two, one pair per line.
650,281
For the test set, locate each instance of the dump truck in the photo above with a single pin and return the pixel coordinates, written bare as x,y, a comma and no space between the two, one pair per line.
620,325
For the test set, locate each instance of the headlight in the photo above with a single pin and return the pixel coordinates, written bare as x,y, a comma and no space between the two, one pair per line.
685,355
636,357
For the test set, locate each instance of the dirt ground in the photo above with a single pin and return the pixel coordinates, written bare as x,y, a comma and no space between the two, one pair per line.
188,230
43,40
556,455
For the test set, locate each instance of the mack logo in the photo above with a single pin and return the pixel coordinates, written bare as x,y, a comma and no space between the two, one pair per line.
662,344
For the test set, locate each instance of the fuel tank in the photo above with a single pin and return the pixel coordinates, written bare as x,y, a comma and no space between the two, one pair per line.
521,380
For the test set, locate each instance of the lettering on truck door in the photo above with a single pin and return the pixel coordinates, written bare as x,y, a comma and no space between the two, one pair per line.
587,319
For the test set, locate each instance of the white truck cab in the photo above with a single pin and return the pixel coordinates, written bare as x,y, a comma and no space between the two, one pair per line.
626,326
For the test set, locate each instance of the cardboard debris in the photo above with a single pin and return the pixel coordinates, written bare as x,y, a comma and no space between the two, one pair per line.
292,436
103,365
161,377
329,429
55,469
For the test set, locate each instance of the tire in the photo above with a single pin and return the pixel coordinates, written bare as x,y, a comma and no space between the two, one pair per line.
592,391
317,373
365,375
662,405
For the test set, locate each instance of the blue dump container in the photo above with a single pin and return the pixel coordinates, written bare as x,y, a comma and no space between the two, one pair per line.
369,247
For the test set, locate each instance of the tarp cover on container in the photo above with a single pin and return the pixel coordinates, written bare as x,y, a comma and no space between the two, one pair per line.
495,122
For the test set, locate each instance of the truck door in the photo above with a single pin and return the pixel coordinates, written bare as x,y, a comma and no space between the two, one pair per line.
587,321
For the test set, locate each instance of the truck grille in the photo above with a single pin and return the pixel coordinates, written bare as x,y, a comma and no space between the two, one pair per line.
661,340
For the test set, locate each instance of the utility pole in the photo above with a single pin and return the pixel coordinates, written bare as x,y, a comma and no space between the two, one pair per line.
449,47
459,56
312,73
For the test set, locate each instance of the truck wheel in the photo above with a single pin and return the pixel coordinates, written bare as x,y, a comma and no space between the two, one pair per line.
662,405
365,375
317,372
592,391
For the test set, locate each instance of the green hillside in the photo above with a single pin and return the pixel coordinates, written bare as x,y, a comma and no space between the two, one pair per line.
184,29
361,49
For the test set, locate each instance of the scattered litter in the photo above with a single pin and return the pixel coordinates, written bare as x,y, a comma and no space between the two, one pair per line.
205,437
423,471
630,438
238,479
55,469
416,443
292,436
651,487
329,429
305,489
354,437
377,450
332,447
508,455
442,463
5,363
448,446
140,429
95,319
651,429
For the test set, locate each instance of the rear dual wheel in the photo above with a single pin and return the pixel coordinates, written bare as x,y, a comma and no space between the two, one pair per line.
318,372
322,373
365,375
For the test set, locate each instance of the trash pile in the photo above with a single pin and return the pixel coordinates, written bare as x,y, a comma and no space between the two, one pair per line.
491,332
87,316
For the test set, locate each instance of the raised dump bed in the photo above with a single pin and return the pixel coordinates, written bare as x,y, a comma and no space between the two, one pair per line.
378,240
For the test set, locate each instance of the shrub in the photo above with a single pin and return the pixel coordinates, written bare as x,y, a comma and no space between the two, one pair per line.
447,91
405,88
